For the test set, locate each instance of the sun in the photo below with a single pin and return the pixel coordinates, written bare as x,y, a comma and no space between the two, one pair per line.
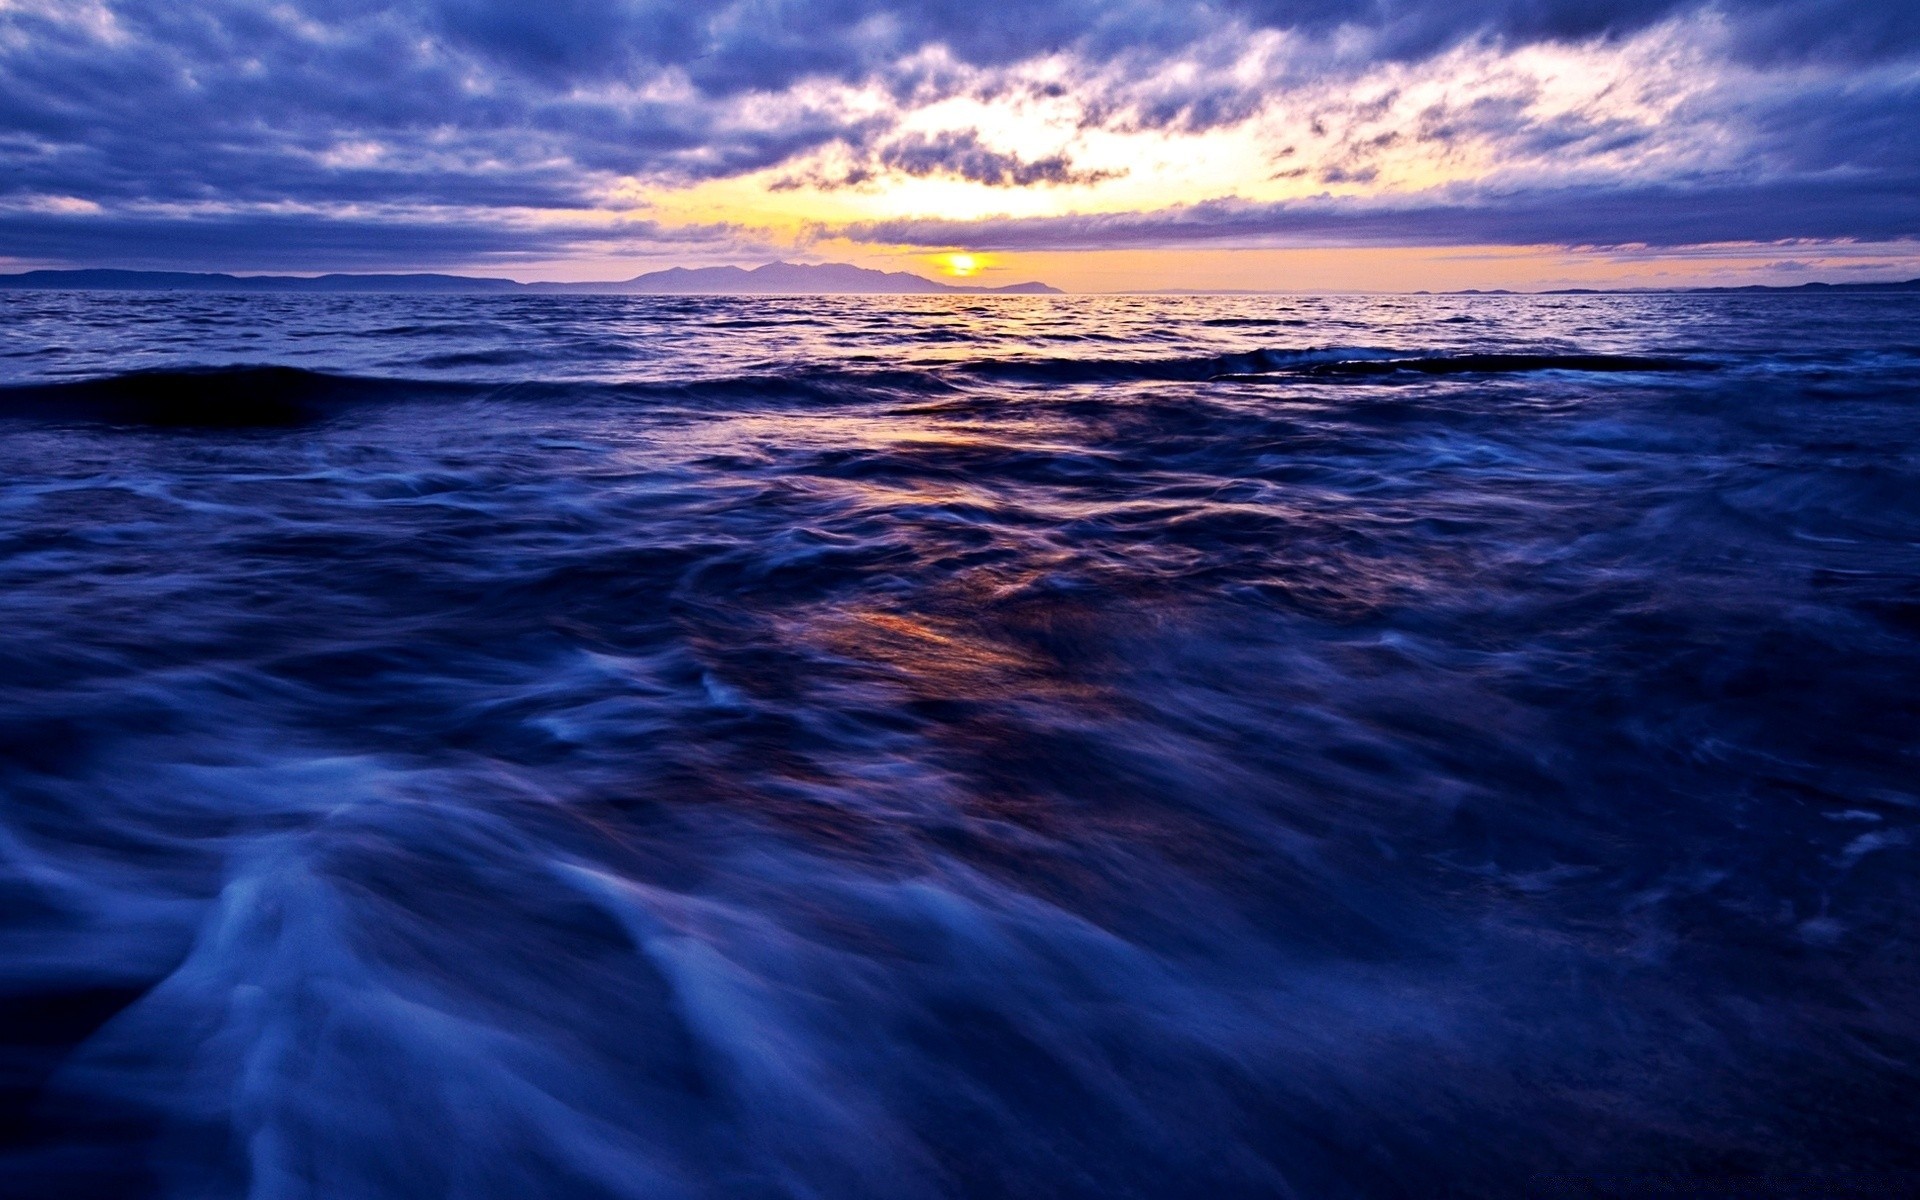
962,265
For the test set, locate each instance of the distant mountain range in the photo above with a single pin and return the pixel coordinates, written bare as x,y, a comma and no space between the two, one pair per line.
783,278
773,279
1885,285
1901,285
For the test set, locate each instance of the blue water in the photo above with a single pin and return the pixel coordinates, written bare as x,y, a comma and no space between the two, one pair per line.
928,747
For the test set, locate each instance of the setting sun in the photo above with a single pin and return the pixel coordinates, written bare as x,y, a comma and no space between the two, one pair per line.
961,264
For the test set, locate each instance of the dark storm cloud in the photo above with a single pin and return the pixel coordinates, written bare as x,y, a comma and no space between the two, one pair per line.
272,243
1592,216
304,242
1851,30
480,105
960,153
769,44
787,38
226,103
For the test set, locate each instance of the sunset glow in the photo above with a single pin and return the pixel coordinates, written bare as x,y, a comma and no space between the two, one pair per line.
533,143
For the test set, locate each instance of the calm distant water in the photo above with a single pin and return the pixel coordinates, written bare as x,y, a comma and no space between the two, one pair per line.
839,748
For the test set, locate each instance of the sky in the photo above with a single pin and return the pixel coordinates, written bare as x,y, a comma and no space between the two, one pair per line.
1245,144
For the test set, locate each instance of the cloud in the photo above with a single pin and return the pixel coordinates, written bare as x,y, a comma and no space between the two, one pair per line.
320,241
312,118
960,153
1598,216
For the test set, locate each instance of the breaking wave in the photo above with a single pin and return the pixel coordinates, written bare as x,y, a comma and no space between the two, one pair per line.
269,396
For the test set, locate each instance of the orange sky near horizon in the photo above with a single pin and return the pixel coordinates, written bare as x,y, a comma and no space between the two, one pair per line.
1340,268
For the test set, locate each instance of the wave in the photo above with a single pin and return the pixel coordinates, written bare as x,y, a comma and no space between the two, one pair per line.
269,397
1506,364
226,397
1194,369
1332,361
272,396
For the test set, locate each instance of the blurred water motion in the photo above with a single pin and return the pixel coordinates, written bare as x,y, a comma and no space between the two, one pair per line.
923,747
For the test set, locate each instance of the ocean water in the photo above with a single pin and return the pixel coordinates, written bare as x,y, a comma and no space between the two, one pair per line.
928,747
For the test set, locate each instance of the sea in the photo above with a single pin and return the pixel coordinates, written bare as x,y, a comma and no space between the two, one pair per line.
585,747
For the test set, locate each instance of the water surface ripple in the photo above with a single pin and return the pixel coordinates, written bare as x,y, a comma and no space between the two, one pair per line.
899,747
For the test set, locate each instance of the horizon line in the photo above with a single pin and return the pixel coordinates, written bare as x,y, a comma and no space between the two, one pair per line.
957,288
